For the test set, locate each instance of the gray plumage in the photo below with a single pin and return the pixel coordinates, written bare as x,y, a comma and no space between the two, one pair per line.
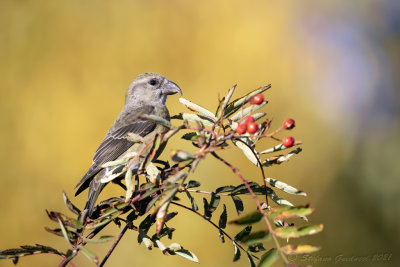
145,95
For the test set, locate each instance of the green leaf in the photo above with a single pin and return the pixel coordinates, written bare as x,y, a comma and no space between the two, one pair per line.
223,218
147,223
280,159
257,237
274,149
214,202
161,246
225,102
15,253
179,155
278,200
152,171
192,201
176,177
237,252
238,103
268,258
102,239
89,254
293,232
193,184
194,107
238,204
71,206
243,234
156,119
152,202
64,231
194,118
250,153
246,111
250,218
252,263
285,187
299,249
285,212
242,189
184,253
207,213
193,136
222,224
256,247
129,184
223,189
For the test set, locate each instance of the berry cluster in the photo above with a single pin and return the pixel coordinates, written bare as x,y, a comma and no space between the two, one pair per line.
250,126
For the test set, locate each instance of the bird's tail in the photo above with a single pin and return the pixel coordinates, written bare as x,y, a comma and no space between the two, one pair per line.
94,191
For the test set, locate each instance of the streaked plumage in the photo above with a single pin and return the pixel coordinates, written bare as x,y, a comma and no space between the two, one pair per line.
146,95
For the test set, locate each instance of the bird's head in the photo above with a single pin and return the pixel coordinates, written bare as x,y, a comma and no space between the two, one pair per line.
150,88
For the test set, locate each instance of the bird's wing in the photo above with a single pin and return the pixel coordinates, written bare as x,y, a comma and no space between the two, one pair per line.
114,145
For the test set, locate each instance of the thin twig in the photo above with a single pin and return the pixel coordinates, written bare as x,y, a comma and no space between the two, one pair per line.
237,172
114,244
65,262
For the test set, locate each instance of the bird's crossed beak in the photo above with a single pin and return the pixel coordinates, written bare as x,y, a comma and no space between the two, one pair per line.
171,88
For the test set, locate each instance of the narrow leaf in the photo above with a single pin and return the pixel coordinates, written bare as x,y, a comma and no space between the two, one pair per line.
192,201
187,255
222,224
194,118
225,103
129,184
299,249
268,258
102,239
293,232
242,235
156,119
252,263
285,212
238,103
250,218
70,206
194,107
223,189
89,254
250,153
238,204
237,252
193,184
280,159
285,187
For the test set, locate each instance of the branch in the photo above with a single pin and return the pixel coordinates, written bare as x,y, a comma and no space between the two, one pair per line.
237,172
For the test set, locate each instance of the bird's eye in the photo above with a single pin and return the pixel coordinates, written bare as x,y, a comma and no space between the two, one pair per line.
153,82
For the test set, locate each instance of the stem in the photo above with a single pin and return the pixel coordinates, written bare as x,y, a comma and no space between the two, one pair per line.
237,172
114,245
216,226
65,262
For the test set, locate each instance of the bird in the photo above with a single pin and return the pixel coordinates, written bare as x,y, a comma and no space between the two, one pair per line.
147,94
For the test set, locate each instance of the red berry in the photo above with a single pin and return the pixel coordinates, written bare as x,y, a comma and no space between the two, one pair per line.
288,141
242,128
257,99
248,119
288,124
252,127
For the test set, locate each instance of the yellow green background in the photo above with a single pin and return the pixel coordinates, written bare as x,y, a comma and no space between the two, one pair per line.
333,66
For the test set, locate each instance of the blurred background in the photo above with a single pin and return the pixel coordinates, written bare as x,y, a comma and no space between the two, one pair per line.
333,66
